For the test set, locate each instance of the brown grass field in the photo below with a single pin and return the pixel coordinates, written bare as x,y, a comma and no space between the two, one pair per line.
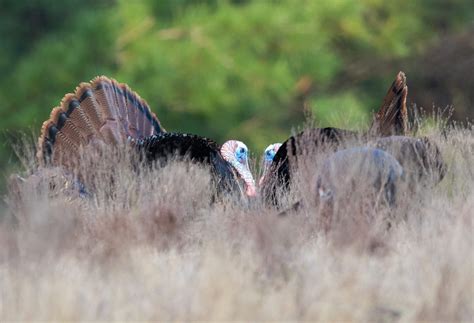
151,246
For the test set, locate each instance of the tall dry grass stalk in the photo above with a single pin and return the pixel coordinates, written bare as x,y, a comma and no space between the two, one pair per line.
152,245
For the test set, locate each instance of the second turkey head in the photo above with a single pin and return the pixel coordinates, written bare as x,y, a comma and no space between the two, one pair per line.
236,153
268,156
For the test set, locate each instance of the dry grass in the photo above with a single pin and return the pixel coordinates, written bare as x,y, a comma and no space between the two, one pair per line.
151,246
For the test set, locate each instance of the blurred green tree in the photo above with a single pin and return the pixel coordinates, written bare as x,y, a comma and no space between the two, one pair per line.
241,69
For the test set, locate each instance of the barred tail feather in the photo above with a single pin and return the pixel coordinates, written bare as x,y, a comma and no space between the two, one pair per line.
392,118
133,114
100,111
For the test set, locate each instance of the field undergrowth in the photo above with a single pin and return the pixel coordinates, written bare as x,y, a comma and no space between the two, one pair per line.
151,246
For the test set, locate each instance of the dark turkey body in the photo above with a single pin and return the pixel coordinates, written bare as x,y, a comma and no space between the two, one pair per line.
166,147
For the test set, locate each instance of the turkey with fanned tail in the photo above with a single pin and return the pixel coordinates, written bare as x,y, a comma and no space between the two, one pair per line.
105,112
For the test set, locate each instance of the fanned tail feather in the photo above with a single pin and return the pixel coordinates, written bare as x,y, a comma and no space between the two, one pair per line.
392,118
100,111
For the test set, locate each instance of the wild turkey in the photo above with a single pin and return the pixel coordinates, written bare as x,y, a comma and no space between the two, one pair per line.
391,120
105,112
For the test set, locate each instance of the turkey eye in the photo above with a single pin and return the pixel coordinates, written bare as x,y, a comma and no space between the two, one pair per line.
242,150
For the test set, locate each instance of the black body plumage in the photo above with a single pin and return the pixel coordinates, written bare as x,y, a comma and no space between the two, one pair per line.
164,147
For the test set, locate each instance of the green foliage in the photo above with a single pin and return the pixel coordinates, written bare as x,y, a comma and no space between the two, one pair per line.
217,68
344,111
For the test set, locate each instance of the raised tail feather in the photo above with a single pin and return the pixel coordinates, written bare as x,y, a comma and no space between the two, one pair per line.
392,118
100,111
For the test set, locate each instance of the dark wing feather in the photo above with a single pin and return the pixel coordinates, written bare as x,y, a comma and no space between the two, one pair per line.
311,141
166,146
392,117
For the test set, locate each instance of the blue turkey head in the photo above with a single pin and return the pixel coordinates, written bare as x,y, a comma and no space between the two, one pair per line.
268,156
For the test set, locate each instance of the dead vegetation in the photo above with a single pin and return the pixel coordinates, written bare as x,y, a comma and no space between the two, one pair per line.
153,245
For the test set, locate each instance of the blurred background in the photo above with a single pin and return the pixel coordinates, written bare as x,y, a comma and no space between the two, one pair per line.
251,70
